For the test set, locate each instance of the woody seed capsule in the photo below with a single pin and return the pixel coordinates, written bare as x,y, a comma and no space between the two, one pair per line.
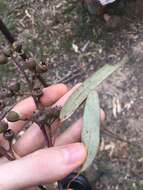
13,116
3,59
3,126
17,46
9,134
14,86
41,68
31,64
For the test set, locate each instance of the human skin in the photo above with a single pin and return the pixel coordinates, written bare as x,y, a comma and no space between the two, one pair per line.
37,164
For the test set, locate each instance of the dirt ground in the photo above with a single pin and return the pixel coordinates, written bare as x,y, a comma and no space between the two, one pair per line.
75,45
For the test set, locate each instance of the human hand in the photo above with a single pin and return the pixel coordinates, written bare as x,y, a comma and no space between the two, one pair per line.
40,165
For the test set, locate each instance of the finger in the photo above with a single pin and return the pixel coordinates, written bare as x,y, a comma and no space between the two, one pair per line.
26,107
3,160
73,133
33,138
28,139
30,188
43,166
31,141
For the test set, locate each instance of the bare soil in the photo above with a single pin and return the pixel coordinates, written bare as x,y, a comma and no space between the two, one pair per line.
75,45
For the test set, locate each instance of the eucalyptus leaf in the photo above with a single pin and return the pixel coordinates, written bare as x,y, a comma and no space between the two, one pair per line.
91,128
91,83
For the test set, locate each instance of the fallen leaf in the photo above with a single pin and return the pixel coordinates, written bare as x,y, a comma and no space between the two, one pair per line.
75,48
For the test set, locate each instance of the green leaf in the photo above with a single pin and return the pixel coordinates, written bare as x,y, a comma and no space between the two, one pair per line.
91,83
91,128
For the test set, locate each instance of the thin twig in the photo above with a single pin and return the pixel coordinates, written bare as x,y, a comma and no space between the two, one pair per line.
5,113
49,134
42,187
8,35
45,135
11,150
20,68
4,153
6,32
42,80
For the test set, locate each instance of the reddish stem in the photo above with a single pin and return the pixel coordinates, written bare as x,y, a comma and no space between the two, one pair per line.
4,153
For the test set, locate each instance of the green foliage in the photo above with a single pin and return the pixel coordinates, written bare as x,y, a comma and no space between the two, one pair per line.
88,85
91,128
90,133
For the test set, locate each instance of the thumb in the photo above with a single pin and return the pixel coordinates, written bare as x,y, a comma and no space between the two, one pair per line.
43,166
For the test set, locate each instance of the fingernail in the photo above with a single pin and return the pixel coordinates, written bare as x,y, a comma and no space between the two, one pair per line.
74,153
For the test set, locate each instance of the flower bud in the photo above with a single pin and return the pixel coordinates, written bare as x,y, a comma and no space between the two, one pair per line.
3,126
12,116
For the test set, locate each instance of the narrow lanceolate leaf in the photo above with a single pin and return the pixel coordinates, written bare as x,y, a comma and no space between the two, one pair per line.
91,83
91,128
